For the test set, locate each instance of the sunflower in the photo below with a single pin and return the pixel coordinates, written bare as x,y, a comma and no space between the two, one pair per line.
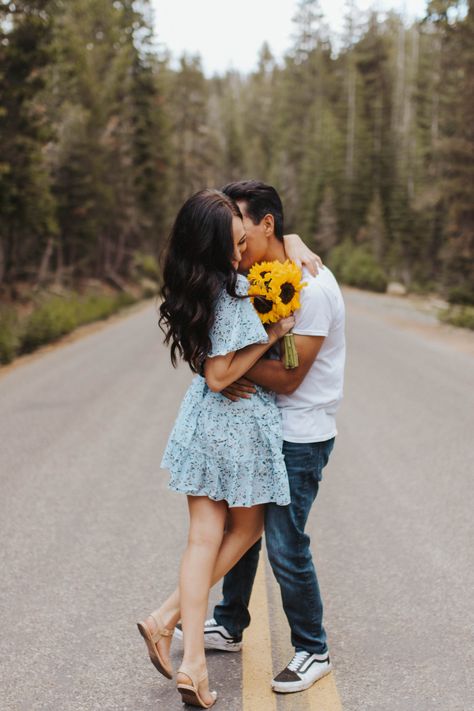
274,289
262,272
286,284
263,302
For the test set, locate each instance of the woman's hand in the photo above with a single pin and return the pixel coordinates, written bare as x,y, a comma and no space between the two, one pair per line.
298,252
277,330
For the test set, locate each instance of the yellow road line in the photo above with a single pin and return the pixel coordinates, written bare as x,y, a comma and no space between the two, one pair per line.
257,669
323,696
257,651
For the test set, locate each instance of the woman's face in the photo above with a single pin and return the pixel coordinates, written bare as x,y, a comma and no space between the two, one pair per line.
240,240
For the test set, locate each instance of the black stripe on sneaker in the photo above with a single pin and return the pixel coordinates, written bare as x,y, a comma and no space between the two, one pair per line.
227,639
313,661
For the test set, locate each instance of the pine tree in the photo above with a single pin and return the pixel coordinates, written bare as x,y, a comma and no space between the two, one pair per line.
457,142
189,96
374,231
258,97
327,235
27,222
112,155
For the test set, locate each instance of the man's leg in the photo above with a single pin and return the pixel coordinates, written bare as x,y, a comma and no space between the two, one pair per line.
232,611
289,546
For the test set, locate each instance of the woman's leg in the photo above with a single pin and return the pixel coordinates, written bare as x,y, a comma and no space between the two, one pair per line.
206,530
244,526
198,571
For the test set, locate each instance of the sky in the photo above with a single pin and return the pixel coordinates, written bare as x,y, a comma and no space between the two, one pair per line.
230,34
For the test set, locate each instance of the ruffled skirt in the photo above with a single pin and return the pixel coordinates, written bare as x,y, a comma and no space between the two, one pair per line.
227,450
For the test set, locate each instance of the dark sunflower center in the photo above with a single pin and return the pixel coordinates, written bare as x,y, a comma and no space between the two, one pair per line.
287,292
263,305
262,274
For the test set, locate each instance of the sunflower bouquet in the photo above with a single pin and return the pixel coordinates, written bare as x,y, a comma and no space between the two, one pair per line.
275,293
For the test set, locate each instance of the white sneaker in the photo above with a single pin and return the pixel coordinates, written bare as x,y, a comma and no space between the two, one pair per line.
215,637
301,673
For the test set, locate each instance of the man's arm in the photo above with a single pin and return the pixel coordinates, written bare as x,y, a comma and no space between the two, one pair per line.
273,375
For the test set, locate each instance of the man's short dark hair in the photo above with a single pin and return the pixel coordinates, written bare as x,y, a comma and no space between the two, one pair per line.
261,199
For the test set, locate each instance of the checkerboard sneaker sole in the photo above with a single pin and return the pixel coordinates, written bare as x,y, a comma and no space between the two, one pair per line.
215,637
302,672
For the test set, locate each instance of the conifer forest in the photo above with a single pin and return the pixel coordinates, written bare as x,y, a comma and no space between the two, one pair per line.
368,137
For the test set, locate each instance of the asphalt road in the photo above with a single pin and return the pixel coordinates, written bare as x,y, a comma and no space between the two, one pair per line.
91,537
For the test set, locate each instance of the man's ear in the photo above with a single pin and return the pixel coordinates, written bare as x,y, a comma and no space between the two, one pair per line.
269,225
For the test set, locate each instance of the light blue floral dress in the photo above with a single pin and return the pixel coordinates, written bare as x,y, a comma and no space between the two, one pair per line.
228,450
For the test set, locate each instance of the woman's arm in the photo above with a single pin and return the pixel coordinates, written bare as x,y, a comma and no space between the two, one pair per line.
298,252
221,371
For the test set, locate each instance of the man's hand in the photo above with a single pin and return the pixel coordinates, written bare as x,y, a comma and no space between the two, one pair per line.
241,389
272,375
298,252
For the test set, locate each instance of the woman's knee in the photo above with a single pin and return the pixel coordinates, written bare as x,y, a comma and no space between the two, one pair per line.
204,532
207,522
206,537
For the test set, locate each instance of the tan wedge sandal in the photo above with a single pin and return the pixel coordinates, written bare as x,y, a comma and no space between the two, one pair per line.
151,640
190,692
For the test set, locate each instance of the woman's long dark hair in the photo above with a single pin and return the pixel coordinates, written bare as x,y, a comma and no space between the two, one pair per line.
197,266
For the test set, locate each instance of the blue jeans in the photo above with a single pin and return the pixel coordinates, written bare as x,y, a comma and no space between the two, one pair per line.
289,552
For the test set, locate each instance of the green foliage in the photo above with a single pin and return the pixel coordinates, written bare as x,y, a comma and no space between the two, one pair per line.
461,316
463,295
27,210
423,287
101,140
327,234
9,334
356,266
146,265
52,319
100,306
57,316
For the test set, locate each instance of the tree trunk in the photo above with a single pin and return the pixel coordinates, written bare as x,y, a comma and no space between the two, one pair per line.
44,266
409,127
350,136
2,261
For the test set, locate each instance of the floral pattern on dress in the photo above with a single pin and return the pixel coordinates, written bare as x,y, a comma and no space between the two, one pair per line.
227,450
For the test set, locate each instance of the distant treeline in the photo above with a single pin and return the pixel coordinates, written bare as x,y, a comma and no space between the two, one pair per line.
370,141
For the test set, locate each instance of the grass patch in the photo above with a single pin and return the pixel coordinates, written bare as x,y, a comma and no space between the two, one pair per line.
461,316
146,265
59,315
52,318
462,295
356,266
9,334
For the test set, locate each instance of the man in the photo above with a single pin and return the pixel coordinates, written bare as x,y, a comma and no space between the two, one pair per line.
308,397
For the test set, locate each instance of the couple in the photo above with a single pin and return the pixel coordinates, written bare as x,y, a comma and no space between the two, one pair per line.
251,438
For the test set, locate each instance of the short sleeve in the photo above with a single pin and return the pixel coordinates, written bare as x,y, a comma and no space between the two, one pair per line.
314,318
236,323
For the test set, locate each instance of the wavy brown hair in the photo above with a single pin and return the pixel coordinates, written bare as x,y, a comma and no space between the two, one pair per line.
197,266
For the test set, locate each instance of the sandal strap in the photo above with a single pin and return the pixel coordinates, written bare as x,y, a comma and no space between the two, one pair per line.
183,670
161,631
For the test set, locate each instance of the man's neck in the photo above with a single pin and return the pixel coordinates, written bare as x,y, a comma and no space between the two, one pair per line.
275,250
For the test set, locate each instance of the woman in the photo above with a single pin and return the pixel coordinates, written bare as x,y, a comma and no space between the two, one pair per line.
225,456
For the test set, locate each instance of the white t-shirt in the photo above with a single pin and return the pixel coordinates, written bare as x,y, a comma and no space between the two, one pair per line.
309,413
